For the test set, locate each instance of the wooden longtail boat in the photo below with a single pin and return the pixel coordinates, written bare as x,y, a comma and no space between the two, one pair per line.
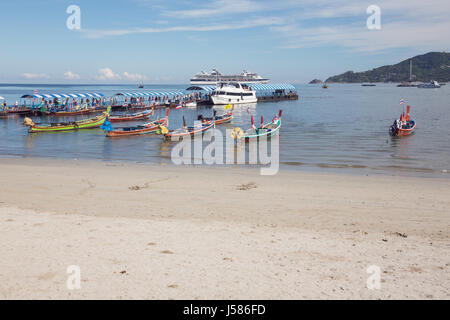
403,126
3,113
224,118
186,131
265,130
19,111
69,113
131,117
146,128
66,126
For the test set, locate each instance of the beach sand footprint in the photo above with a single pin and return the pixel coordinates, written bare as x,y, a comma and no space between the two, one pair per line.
90,186
137,188
46,276
247,186
147,184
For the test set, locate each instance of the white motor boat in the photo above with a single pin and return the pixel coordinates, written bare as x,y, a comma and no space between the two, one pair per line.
233,92
430,85
192,104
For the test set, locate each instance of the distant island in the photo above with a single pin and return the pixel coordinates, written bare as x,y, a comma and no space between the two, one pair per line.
426,67
315,81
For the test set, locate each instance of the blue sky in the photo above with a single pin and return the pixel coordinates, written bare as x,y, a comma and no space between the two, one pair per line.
157,41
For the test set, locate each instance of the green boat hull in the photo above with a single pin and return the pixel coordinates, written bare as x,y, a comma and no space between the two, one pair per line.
77,125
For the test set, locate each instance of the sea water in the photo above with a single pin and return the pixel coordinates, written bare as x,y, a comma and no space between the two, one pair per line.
343,128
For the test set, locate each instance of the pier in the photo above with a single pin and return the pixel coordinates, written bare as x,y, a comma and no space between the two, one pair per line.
78,103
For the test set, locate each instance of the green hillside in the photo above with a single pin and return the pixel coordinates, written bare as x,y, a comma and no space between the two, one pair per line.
426,67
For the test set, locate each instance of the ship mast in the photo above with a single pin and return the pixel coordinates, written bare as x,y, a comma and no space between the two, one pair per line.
410,70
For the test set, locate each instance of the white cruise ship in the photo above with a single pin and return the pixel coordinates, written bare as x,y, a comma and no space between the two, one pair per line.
234,93
213,78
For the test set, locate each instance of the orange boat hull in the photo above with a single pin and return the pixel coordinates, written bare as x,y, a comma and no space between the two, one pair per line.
405,132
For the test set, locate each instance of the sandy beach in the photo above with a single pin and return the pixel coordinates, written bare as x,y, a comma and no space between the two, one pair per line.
166,232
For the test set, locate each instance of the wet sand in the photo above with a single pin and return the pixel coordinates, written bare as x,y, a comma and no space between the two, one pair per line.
165,232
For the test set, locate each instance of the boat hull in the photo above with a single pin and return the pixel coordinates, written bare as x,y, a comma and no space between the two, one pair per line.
189,131
136,131
225,99
402,132
405,132
86,125
265,131
76,125
141,116
69,113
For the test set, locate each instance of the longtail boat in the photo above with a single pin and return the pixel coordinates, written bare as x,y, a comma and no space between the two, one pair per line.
19,110
146,128
403,126
131,117
66,126
69,113
186,131
224,118
265,129
3,113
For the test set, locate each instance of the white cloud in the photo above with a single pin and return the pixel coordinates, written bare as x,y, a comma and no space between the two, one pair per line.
219,7
357,38
107,74
269,21
31,76
134,76
69,75
414,24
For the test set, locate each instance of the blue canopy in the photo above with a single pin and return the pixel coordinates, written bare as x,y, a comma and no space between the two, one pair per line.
256,87
202,88
151,94
63,95
269,87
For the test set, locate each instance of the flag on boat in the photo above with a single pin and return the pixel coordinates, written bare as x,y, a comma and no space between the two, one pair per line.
248,110
402,101
179,107
228,106
35,91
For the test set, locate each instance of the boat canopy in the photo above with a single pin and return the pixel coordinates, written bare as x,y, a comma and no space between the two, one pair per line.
63,95
151,94
270,87
202,88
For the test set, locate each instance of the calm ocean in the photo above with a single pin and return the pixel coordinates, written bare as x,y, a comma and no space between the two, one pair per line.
343,128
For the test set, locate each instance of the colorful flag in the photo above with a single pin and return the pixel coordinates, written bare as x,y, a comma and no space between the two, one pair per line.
179,107
248,110
402,101
35,91
228,106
